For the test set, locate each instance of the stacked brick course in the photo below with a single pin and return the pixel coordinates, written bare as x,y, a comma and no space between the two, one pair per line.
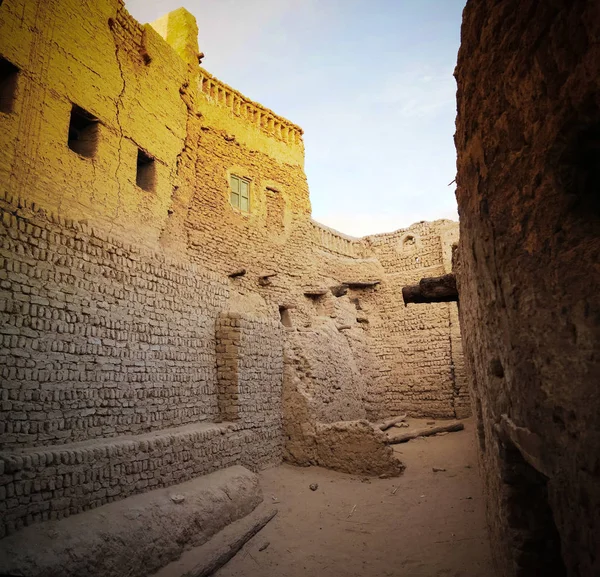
114,341
418,345
45,483
98,338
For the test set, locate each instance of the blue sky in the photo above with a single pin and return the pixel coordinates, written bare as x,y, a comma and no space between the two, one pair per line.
369,81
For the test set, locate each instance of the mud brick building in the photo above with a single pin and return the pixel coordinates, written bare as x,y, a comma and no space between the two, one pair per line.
168,307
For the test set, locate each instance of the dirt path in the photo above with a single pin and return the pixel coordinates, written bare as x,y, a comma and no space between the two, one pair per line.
432,526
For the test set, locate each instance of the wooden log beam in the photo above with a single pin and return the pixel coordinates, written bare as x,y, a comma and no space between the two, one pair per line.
439,289
223,554
440,286
316,292
424,432
389,423
412,294
265,278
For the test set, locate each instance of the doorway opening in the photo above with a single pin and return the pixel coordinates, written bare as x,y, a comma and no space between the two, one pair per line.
535,539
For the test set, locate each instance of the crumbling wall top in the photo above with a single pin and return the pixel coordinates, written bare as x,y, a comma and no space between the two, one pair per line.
180,30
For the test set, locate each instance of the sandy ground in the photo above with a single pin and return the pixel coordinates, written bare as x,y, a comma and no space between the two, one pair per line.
422,524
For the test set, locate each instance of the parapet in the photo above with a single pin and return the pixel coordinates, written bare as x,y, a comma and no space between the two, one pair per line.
267,121
236,114
336,242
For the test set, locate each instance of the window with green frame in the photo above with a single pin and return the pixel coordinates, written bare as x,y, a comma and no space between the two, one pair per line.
240,193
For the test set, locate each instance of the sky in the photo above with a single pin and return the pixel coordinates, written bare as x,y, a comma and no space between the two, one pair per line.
369,81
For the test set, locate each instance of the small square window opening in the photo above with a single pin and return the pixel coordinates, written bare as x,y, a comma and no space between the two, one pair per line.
83,132
9,74
146,171
240,193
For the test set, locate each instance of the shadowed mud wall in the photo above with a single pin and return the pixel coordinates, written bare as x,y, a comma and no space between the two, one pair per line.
528,133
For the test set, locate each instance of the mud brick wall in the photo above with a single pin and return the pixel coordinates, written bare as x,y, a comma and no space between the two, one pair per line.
97,338
417,346
228,357
90,55
327,372
53,482
80,364
260,378
249,368
199,132
527,136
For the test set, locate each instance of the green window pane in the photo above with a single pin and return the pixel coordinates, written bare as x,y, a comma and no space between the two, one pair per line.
235,199
244,189
244,204
235,184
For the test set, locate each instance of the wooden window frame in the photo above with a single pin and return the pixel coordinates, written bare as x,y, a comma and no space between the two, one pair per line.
237,198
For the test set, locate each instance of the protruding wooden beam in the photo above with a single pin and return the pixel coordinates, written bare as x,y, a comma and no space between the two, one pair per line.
236,273
439,289
339,290
361,284
315,292
265,278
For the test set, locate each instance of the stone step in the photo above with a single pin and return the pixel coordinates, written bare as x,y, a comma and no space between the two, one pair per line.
136,536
